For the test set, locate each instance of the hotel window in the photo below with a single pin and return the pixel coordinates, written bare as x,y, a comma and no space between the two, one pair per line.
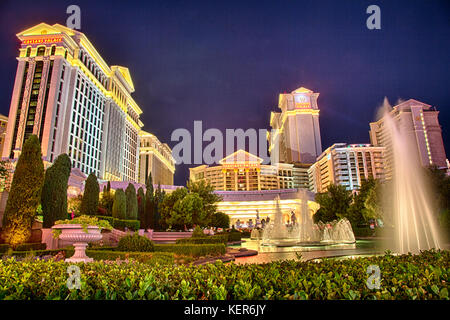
28,51
41,51
53,50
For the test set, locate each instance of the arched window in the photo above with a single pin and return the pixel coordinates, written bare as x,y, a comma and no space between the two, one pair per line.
41,51
53,51
65,54
28,51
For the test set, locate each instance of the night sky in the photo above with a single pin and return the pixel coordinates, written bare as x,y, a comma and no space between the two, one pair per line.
225,62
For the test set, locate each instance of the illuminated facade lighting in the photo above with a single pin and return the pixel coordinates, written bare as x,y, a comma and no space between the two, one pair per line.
421,124
66,94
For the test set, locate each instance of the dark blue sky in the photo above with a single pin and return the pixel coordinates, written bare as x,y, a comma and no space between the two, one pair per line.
225,62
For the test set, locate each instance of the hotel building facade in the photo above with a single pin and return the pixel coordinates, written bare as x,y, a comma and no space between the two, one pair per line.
243,171
66,94
419,121
155,158
346,165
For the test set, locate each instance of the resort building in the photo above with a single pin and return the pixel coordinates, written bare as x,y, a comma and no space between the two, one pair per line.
295,136
67,95
243,171
347,165
247,205
3,125
420,123
155,158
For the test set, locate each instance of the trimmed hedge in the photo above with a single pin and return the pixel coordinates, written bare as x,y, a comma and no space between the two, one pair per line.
120,224
166,258
195,250
130,224
4,248
221,238
31,246
135,243
404,277
363,232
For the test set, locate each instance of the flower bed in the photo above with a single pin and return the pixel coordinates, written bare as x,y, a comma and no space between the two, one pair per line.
423,276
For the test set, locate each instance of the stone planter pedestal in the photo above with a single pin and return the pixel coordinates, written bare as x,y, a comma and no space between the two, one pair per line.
75,234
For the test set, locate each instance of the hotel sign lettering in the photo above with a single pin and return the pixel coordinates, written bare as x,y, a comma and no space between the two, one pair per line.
42,40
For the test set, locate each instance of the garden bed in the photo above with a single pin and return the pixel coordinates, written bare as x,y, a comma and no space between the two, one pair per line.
423,276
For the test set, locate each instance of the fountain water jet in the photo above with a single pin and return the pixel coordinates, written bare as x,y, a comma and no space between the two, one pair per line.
415,225
306,232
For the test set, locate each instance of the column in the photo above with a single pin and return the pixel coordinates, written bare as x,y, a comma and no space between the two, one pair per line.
258,174
235,180
247,182
224,174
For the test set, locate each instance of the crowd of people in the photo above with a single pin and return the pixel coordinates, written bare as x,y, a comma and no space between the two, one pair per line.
261,223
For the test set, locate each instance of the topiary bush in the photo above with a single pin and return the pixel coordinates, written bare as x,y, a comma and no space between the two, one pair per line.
25,194
54,191
132,203
119,209
89,203
198,232
135,243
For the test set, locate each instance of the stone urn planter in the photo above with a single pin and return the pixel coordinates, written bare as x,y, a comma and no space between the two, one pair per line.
80,238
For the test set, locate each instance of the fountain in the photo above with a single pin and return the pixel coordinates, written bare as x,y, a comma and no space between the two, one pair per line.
410,210
306,232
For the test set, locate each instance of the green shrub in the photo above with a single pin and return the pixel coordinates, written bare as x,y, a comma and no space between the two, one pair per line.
234,236
107,218
31,246
404,277
135,243
198,232
89,202
54,191
119,209
221,238
144,257
132,204
4,248
129,224
25,193
194,250
363,232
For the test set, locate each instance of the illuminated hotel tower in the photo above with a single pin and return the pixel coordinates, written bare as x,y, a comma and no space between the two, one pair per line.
66,94
295,136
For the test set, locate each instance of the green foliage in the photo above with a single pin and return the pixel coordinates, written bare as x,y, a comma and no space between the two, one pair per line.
194,250
221,220
132,204
54,191
89,203
158,199
85,221
3,175
74,205
198,232
107,199
334,203
4,247
141,206
119,209
25,193
404,277
31,246
209,200
149,206
121,224
221,238
133,225
135,243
